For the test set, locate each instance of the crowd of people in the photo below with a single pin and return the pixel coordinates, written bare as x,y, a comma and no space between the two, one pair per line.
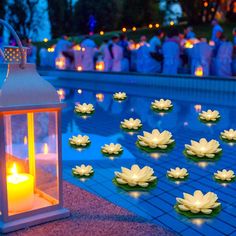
168,53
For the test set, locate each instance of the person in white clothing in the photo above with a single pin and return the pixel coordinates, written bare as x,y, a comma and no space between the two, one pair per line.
113,55
88,52
201,56
62,45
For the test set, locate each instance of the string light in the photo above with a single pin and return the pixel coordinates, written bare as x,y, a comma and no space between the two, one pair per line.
124,29
101,32
150,26
157,25
134,28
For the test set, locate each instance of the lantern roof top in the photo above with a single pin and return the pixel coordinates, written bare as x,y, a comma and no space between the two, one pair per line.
25,87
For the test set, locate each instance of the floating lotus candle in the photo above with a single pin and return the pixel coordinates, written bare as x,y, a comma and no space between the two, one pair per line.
120,96
83,171
224,176
209,116
135,176
84,109
155,140
161,105
198,204
131,124
229,135
112,149
203,149
79,141
177,173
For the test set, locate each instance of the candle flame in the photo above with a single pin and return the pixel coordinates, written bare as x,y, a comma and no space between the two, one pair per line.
100,66
100,97
45,148
25,140
14,169
79,68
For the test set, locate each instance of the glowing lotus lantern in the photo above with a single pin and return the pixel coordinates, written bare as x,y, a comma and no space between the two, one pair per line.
135,176
83,171
224,176
229,135
111,149
203,148
199,71
209,116
120,96
162,105
131,124
155,140
198,203
30,117
177,173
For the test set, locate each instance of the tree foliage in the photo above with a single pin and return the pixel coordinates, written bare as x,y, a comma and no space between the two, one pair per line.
105,12
198,11
2,11
139,12
60,16
24,16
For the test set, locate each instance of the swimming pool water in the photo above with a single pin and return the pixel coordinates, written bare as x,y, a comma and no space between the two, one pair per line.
156,205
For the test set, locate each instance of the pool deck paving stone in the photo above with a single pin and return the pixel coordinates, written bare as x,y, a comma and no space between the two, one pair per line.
92,215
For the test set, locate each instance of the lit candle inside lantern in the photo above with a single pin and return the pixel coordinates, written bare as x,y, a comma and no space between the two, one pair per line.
25,140
100,66
45,149
20,191
79,68
199,71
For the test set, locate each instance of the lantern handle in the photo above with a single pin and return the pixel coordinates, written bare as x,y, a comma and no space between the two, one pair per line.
14,34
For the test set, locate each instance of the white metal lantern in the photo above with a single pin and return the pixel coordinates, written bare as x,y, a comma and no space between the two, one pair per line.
30,147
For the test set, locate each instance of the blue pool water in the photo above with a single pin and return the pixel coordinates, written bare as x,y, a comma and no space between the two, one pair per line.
157,205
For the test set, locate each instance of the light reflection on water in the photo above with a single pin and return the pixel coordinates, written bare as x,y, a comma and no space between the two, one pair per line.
104,127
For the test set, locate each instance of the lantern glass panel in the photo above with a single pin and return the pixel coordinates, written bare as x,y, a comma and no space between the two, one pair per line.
31,161
46,155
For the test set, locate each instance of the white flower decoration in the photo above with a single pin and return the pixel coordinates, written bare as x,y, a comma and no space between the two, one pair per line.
112,149
203,148
209,115
120,96
135,176
162,105
155,139
224,175
83,170
229,135
177,173
132,124
84,108
79,140
198,202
